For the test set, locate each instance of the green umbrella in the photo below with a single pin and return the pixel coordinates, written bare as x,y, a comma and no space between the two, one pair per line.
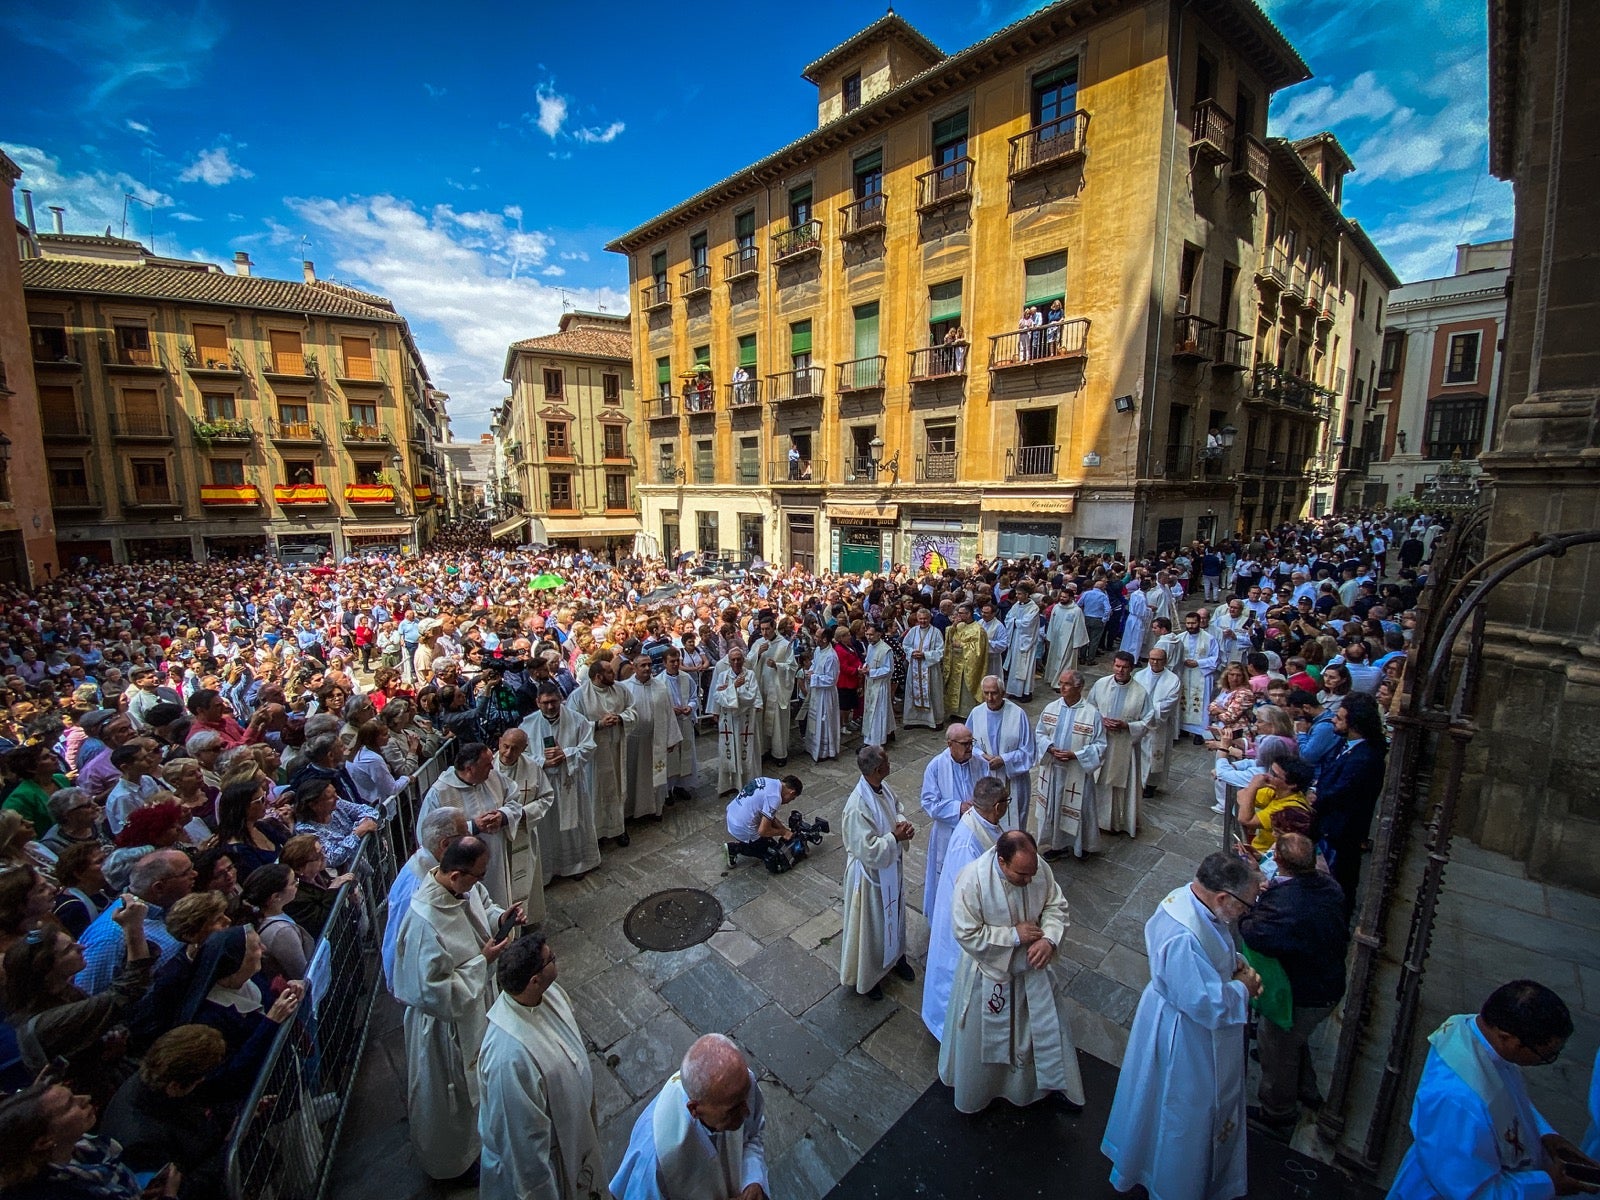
546,580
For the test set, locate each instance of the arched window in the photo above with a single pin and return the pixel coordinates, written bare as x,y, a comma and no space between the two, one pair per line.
1455,423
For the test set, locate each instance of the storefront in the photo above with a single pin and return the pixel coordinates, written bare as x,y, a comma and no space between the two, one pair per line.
304,547
146,550
933,542
861,537
235,546
610,538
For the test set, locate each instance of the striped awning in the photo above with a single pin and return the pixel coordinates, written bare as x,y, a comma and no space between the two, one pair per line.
507,527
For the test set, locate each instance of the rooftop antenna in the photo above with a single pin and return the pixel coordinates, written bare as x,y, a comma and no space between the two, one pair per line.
565,302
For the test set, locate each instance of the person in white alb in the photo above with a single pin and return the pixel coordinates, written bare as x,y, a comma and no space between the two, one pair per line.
946,794
1069,742
923,645
876,834
1002,735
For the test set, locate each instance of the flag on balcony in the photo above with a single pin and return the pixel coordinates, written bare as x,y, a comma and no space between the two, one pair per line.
369,493
300,493
236,494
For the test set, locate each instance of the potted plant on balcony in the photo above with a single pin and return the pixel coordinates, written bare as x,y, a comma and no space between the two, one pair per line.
206,432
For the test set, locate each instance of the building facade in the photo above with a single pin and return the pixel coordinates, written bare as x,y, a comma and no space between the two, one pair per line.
1438,379
566,437
841,366
27,524
190,414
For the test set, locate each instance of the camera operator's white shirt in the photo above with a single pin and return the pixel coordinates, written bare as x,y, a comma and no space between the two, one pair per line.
758,798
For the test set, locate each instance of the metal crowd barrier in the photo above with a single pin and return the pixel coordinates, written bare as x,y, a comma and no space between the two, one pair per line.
282,1147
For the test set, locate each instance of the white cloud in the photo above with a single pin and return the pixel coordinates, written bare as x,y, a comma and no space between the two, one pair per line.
93,199
137,126
183,216
1325,107
123,44
575,255
553,270
552,110
434,90
594,136
467,281
214,167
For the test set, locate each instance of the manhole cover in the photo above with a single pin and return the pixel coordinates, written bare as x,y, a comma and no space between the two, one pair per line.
673,920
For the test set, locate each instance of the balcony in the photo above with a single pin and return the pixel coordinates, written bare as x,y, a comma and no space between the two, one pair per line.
1273,273
363,433
653,297
423,495
1294,292
620,503
1255,461
63,425
131,360
295,433
560,451
223,495
867,216
292,367
1178,462
697,402
1031,462
361,372
227,430
937,466
791,245
1055,341
301,495
1327,304
1274,385
747,471
1232,349
53,348
939,362
661,408
742,263
140,427
744,393
1052,144
369,493
210,361
801,472
1192,339
948,183
150,496
1211,133
74,498
802,383
696,281
862,374
1250,163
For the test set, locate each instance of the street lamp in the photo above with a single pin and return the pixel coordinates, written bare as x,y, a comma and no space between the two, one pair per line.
878,463
1229,435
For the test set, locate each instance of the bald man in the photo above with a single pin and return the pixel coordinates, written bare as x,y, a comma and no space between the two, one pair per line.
947,794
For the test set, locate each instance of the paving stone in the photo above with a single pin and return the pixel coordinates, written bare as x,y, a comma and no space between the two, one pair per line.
652,1052
735,945
742,885
1090,905
843,1018
581,956
1127,967
792,977
610,1097
768,917
859,1099
903,1045
1084,945
612,1004
820,928
658,966
1104,996
711,996
784,1047
813,1165
788,1118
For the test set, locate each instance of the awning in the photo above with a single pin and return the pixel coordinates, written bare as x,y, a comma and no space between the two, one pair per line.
1061,506
362,529
863,512
507,527
591,526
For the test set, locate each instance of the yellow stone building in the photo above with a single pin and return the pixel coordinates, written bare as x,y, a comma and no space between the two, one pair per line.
189,413
566,437
838,346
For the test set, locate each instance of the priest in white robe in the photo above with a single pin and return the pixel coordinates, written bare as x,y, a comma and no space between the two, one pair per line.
1163,600
610,709
1136,626
494,811
702,1137
536,1117
999,636
1002,735
1022,640
980,826
443,969
875,838
1230,625
683,763
1199,656
923,646
736,699
1070,741
651,737
1127,714
1065,634
822,699
1162,685
1006,1031
877,713
524,777
561,739
947,784
774,651
1177,1123
443,826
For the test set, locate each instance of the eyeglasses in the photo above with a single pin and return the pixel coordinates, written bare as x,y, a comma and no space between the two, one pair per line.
1249,904
962,742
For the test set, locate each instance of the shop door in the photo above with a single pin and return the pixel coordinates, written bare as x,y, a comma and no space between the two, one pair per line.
1024,539
860,550
803,543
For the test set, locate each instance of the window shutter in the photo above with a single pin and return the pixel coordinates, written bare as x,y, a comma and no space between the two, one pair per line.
663,370
868,164
211,343
747,351
944,301
800,337
744,225
866,330
950,129
1046,279
800,195
702,357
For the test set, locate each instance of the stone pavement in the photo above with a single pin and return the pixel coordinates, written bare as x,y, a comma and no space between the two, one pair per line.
837,1070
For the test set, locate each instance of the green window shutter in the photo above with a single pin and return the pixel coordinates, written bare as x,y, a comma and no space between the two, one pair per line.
866,330
800,195
1067,72
950,129
744,225
800,337
747,350
658,262
702,356
663,370
944,301
1046,279
869,163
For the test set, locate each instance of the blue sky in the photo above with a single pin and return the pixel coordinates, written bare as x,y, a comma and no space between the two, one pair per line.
473,169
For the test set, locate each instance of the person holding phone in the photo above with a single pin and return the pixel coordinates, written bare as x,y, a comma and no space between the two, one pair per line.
51,1155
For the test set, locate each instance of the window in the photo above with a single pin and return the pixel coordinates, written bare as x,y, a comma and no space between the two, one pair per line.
1393,344
799,205
1377,324
369,472
611,388
852,91
1361,306
744,231
950,138
366,415
664,377
288,355
1461,365
706,533
293,413
49,335
751,540
1044,280
141,411
616,490
358,362
868,174
1188,277
560,490
68,473
939,460
698,252
211,346
556,443
229,472
658,267
553,380
1055,93
749,464
866,329
666,462
863,462
1205,78
704,465
1244,120
747,353
300,470
615,445
133,344
150,480
1230,283
944,311
800,345
220,406
942,438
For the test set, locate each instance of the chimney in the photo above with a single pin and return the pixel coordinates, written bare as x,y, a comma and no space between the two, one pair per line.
27,211
309,270
58,214
241,262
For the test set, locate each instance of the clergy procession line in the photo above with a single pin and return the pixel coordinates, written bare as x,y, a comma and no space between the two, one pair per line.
569,716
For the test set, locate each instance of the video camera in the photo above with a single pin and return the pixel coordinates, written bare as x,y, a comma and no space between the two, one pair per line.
812,831
784,854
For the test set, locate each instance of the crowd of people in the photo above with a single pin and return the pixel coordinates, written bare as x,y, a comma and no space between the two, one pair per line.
194,756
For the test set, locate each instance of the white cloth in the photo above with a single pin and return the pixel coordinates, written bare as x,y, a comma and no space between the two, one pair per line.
1196,682
1164,690
610,750
1137,624
537,1117
1119,783
1177,1123
569,843
650,740
776,671
672,1156
1231,633
874,935
1022,640
972,837
1065,815
1006,1031
822,705
999,641
530,790
758,798
877,714
924,698
946,787
494,794
683,764
1007,735
736,699
1066,634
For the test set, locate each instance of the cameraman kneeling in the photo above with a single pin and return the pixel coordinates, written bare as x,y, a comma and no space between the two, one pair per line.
752,818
